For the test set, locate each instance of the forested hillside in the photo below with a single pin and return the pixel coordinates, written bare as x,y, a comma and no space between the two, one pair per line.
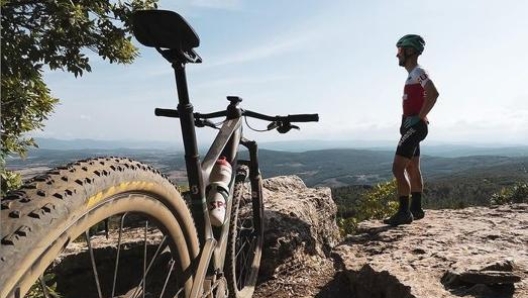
449,182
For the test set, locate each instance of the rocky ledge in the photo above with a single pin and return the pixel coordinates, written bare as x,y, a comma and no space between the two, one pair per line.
472,252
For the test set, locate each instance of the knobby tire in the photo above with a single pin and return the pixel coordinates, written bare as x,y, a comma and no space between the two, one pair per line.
82,206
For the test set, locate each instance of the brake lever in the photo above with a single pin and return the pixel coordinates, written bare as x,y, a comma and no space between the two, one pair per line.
273,125
199,122
285,127
203,122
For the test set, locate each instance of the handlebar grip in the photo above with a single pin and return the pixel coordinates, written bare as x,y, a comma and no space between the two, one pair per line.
166,113
303,118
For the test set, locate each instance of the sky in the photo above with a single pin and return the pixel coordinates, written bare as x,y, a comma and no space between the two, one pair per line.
336,58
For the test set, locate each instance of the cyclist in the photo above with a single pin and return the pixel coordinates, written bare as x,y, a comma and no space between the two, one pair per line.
419,97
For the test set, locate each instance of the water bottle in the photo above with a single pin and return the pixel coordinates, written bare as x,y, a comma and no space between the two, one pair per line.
218,191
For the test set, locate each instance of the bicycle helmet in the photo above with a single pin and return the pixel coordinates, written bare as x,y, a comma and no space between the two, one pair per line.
412,41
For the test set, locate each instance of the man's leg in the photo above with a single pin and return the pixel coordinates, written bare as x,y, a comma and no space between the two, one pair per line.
403,215
416,181
399,166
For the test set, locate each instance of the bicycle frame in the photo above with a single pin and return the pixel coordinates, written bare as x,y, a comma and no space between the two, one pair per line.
225,144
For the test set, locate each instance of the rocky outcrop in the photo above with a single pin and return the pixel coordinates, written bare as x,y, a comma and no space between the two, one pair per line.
472,252
300,226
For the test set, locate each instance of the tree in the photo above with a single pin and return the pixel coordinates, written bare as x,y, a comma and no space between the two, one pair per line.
53,34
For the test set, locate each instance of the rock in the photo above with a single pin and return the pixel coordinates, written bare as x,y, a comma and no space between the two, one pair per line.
300,226
500,272
450,253
454,279
503,265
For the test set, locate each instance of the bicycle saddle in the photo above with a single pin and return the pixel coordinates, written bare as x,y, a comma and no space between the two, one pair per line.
164,29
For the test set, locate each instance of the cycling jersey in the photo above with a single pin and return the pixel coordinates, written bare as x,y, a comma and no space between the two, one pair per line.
414,93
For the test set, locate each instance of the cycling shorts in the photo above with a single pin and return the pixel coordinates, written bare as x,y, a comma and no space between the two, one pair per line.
409,144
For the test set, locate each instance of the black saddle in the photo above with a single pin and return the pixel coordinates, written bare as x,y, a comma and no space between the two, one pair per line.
168,32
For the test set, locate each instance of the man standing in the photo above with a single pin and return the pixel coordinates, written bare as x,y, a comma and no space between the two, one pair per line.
419,97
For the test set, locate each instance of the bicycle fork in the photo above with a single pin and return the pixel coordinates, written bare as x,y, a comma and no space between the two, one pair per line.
255,179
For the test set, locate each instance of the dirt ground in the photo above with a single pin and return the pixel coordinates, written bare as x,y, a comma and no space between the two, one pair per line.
325,282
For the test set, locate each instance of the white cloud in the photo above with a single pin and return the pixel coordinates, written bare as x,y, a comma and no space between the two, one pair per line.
218,4
263,50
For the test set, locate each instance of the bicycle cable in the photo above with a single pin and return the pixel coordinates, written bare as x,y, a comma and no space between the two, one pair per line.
254,129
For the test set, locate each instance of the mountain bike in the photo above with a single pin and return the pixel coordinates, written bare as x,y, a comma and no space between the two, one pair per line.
116,227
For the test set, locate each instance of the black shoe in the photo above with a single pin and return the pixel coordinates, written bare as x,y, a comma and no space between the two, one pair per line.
418,214
399,218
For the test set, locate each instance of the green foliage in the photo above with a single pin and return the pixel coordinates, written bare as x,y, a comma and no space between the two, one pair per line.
347,225
36,290
518,193
53,34
374,203
9,179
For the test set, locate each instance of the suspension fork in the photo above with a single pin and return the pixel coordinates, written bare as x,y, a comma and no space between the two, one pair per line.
255,179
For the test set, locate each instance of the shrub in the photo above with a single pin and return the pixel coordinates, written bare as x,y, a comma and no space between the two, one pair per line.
518,193
375,203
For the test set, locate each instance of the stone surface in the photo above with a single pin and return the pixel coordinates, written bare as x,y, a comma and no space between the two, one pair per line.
486,247
300,226
480,277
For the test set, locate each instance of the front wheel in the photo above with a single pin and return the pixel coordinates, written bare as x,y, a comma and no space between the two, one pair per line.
246,235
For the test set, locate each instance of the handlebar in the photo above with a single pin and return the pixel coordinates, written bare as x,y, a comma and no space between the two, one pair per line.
281,123
166,113
290,118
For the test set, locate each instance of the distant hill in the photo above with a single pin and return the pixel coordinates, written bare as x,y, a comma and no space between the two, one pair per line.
434,149
84,144
331,167
340,167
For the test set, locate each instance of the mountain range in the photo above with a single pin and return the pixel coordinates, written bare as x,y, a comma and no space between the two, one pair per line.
431,148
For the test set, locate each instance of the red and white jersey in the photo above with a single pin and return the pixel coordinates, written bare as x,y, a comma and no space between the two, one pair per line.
414,93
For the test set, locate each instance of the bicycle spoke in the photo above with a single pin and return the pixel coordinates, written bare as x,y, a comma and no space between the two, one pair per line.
122,222
171,262
245,260
142,284
92,258
145,261
146,269
240,249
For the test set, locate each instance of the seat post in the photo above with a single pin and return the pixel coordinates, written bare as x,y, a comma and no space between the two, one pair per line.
192,157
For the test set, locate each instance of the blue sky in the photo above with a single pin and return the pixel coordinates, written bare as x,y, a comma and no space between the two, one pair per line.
335,58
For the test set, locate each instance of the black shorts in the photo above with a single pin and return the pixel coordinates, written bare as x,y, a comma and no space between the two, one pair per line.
409,145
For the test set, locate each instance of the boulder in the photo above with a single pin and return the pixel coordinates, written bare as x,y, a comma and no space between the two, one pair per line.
300,226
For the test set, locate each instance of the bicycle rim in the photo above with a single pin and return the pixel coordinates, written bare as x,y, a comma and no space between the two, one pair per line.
129,243
246,235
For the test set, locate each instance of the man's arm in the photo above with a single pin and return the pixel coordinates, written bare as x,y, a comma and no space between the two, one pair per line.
431,94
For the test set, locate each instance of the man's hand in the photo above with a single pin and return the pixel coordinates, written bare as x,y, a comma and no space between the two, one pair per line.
411,121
